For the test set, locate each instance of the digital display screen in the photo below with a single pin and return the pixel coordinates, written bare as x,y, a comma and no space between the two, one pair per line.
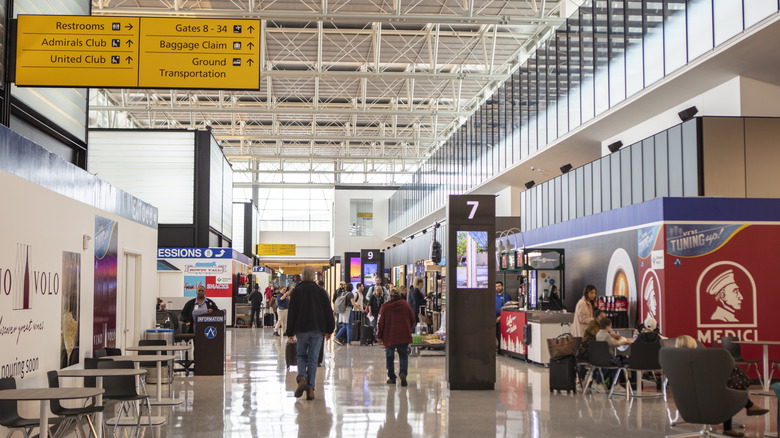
369,272
472,260
242,291
354,271
504,261
532,289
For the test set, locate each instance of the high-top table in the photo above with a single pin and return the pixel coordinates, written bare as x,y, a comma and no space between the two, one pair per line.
44,395
159,358
159,349
98,374
765,362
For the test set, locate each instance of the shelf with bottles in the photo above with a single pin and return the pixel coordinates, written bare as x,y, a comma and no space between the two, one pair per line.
616,309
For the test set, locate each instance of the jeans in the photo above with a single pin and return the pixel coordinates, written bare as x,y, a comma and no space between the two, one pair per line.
255,317
348,327
403,358
308,352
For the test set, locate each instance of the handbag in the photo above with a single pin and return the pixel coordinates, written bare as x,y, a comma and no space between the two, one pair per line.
738,379
561,346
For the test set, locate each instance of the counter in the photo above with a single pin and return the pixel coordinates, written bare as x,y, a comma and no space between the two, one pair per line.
542,325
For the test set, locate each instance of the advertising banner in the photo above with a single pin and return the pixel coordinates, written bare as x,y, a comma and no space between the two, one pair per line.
725,281
211,268
512,324
650,252
71,300
104,322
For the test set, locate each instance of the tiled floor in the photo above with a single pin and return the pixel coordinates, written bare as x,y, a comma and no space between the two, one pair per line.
254,399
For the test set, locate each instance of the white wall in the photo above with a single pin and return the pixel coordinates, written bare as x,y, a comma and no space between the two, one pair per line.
341,240
722,100
508,202
50,224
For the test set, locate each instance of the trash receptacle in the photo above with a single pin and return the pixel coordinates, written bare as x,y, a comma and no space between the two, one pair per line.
167,336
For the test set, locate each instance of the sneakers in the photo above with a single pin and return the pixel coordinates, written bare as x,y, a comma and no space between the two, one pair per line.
301,387
391,381
276,334
733,432
756,411
309,393
403,379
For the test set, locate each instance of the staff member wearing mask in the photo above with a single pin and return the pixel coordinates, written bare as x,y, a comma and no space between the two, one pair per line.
200,305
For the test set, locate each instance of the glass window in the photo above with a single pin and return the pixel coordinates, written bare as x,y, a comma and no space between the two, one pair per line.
615,182
579,176
690,161
601,34
653,41
587,103
675,161
757,10
634,66
625,176
533,105
661,165
727,16
565,196
699,27
541,91
648,166
637,185
544,194
606,183
361,217
596,178
675,45
557,199
525,105
538,195
588,188
617,49
562,70
572,196
574,72
552,90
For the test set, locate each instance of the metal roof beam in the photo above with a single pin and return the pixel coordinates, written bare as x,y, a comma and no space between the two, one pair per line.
338,17
328,136
383,75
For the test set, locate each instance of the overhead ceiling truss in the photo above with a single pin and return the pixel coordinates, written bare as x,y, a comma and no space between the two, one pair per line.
378,82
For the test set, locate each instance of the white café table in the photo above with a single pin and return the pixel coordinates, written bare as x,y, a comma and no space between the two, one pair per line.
159,358
44,395
98,374
160,349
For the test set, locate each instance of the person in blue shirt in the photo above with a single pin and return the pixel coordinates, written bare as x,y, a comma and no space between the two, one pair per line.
501,299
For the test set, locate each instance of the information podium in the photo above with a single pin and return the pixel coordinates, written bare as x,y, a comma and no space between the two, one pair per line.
210,344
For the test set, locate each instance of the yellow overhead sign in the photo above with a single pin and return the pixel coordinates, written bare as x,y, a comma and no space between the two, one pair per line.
275,250
200,53
77,51
128,52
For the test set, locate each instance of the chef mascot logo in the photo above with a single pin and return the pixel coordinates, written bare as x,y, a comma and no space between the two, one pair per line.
726,296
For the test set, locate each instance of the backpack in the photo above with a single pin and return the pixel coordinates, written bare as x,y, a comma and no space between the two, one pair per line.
341,303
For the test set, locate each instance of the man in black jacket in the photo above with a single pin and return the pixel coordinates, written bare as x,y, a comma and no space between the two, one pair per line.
309,318
256,299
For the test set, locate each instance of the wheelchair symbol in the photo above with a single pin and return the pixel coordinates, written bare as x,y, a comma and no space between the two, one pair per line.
211,332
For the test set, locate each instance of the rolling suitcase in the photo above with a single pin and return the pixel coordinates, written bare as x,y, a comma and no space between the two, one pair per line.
563,374
356,323
366,332
291,354
268,320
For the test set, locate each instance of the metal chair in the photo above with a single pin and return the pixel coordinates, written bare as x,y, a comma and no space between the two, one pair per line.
698,378
736,353
600,359
644,358
9,414
123,390
70,415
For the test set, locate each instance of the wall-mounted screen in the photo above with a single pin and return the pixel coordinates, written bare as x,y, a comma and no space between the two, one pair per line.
354,271
472,260
242,291
369,272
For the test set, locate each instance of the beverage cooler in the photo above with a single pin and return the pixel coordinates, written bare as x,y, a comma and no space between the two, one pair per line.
616,309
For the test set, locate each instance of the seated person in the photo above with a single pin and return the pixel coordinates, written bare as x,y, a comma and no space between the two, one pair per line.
554,299
649,332
592,329
606,335
737,375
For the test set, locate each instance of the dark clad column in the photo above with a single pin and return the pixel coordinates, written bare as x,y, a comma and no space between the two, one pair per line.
471,302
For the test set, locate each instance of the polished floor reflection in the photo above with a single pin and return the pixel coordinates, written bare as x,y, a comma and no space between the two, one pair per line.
254,399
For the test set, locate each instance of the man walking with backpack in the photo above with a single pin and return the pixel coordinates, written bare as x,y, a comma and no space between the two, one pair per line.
344,304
